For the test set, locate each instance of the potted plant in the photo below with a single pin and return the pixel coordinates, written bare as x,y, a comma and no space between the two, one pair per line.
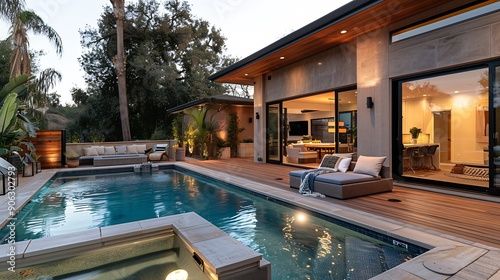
414,131
72,158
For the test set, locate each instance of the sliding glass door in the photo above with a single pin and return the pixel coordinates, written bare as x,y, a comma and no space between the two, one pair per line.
274,133
494,147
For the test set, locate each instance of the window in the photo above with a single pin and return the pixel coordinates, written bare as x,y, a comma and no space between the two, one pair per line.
446,20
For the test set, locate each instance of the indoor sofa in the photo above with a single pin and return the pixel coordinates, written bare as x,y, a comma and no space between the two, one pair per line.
369,178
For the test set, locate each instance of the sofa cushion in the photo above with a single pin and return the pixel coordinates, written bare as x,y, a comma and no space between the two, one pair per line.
343,164
340,178
141,148
99,149
121,150
90,152
131,149
369,165
109,150
330,161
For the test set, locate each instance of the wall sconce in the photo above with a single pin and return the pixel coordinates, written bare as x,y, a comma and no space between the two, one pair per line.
369,102
257,116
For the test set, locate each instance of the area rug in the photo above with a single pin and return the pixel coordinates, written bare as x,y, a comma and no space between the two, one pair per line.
472,173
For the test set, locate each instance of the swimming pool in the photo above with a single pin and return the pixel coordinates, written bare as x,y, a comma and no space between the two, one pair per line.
297,243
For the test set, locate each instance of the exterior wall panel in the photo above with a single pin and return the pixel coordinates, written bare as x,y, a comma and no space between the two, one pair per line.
467,42
331,69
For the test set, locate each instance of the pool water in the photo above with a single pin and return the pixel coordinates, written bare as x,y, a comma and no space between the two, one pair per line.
298,245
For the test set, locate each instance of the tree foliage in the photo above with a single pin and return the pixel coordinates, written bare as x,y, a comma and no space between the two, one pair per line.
170,53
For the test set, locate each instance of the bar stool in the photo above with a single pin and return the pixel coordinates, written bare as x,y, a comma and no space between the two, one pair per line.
418,157
429,157
407,159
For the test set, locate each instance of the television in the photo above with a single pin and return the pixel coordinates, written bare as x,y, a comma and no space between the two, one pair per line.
298,128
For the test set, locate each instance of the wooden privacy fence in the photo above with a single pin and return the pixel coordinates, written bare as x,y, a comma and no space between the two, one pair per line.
50,146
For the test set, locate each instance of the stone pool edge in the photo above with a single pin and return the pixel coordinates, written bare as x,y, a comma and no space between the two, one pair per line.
447,255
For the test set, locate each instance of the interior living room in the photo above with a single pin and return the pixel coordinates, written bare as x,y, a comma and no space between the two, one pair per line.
445,127
319,124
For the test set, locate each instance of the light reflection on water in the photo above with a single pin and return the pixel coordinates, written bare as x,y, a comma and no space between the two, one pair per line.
299,246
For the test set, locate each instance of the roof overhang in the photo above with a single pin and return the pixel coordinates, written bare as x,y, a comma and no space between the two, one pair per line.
220,99
356,18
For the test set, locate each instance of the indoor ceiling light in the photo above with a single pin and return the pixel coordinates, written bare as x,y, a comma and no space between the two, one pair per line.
343,31
282,57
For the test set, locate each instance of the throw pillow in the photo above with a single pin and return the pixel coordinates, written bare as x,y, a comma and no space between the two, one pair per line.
109,150
131,149
343,165
369,165
329,161
140,148
99,149
90,152
121,150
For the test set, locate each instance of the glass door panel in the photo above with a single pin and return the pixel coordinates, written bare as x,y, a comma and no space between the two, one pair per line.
494,147
273,133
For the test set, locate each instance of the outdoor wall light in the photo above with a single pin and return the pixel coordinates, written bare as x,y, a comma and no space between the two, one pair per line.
369,102
257,116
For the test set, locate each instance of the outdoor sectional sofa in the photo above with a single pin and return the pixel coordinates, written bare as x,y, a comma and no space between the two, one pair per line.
113,155
343,185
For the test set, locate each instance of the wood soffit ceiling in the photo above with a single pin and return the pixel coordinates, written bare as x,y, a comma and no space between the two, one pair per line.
358,18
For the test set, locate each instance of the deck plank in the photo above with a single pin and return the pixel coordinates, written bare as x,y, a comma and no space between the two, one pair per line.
471,219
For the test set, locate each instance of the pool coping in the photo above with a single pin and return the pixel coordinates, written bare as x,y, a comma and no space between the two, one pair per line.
447,255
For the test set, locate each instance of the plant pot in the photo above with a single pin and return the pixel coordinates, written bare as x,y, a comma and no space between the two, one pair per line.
413,140
73,162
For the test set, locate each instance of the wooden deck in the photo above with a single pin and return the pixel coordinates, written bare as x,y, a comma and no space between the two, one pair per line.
467,218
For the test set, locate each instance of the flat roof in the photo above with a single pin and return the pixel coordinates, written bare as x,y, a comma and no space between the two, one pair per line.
218,99
340,26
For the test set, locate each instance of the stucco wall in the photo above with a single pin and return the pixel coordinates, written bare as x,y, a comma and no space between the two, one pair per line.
331,69
374,124
467,42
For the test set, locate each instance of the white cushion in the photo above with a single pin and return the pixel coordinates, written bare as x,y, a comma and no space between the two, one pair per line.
369,165
131,149
343,165
90,152
121,150
109,150
140,148
99,149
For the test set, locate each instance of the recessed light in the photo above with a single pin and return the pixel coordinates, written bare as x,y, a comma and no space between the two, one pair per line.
246,74
282,57
343,31
456,91
320,63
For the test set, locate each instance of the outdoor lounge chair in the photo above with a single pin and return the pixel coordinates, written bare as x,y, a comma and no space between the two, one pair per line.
159,151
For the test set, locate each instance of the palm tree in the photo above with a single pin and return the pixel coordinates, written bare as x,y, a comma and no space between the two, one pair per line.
22,22
9,8
120,66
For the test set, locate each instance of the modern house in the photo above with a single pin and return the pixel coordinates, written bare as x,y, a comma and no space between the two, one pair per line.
367,73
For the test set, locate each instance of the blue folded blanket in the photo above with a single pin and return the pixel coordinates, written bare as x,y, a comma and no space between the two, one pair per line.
307,179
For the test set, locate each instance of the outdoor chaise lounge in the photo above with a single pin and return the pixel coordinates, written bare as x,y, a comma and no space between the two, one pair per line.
159,152
364,177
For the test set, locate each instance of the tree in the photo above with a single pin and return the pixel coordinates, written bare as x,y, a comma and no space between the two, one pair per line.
120,64
170,54
9,8
22,22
